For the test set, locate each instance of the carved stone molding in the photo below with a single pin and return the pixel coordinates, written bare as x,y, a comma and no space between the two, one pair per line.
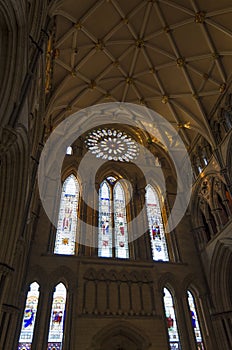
7,138
117,293
5,269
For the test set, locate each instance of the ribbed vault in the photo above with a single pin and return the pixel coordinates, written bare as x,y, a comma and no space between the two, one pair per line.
170,55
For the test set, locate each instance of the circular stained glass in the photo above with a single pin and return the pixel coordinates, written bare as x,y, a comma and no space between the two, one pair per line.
112,144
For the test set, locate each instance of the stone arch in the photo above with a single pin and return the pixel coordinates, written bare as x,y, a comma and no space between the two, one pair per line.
90,275
39,275
190,283
13,64
120,336
62,275
207,218
13,172
37,13
206,208
221,275
124,276
169,281
70,168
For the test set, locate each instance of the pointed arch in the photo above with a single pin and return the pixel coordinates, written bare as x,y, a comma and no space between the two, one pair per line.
62,274
113,233
194,320
67,220
221,275
156,227
123,332
105,221
120,222
171,319
29,317
57,319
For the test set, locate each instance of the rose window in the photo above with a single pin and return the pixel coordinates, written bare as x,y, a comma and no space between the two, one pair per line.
112,144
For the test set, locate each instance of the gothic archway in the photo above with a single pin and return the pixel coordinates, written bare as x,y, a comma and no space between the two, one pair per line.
220,275
120,336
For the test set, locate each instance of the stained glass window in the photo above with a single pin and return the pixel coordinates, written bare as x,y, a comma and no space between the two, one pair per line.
174,340
113,234
67,220
120,223
156,228
56,327
105,221
195,322
29,317
112,144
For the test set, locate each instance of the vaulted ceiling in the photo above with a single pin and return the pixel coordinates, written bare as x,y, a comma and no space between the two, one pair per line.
173,56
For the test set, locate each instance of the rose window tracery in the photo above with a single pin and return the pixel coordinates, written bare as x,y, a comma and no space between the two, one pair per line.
112,144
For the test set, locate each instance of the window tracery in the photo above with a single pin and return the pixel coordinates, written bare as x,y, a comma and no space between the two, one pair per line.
112,144
113,234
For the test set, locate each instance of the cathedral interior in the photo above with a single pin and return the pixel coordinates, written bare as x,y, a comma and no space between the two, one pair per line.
116,175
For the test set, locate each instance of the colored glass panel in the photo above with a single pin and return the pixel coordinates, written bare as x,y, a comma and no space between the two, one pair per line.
120,223
29,317
156,228
194,321
56,328
171,323
113,234
67,220
105,222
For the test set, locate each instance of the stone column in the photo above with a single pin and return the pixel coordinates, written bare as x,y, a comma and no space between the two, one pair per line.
43,316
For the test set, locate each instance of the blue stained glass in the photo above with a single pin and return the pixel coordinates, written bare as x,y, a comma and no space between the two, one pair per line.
29,317
24,346
54,346
194,321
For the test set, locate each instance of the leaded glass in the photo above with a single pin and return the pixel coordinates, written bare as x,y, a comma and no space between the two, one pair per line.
156,228
29,317
113,235
120,223
56,327
111,180
112,144
174,340
67,220
194,321
105,222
